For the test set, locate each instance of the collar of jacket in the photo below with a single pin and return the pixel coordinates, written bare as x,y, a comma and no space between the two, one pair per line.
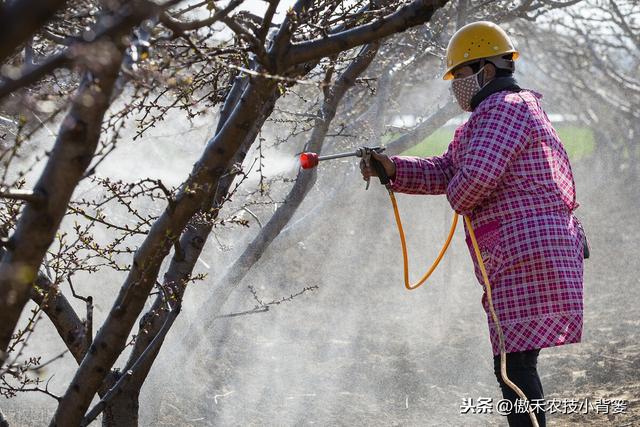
495,85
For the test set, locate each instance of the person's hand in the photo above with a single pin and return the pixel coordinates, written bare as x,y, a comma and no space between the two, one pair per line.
387,163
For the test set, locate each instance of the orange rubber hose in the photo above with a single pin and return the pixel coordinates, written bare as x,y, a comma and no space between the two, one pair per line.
405,257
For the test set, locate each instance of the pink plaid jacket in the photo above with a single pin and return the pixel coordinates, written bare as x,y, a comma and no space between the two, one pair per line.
508,171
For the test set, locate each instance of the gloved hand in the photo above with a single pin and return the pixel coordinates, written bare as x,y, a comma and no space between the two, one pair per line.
368,171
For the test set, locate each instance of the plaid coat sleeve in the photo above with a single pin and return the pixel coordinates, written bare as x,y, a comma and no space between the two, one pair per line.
497,137
416,175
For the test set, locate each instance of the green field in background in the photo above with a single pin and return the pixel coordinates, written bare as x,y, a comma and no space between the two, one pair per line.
578,141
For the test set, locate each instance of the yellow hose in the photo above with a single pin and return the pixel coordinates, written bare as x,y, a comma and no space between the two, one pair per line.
405,257
485,277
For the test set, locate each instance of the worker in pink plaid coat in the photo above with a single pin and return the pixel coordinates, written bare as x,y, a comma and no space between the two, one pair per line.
507,170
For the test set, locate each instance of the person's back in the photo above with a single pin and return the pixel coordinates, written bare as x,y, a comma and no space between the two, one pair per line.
537,178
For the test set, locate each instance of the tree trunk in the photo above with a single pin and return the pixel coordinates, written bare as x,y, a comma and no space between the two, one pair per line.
122,410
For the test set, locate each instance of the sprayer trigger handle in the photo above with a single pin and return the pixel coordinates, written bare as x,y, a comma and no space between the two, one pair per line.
366,158
382,173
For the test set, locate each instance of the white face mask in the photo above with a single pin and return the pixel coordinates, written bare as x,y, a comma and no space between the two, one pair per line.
465,88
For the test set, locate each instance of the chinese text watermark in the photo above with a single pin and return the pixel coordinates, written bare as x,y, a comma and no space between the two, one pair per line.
486,405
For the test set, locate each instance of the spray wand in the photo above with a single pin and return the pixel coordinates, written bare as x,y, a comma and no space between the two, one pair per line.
310,160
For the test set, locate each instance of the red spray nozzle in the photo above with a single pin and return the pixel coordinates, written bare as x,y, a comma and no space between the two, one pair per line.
311,160
308,160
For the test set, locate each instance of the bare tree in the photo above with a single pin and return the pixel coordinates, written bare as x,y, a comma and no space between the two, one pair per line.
276,62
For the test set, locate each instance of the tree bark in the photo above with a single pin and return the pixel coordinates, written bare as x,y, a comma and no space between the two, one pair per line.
3,421
112,337
123,409
64,318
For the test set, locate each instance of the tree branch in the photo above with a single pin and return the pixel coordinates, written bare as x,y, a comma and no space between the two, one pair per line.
64,318
202,182
266,21
622,23
130,16
32,74
29,196
180,27
416,13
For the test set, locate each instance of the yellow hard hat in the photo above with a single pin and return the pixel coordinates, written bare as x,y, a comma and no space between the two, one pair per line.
482,39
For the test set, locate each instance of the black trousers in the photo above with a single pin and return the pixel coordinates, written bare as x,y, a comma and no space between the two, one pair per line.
522,371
